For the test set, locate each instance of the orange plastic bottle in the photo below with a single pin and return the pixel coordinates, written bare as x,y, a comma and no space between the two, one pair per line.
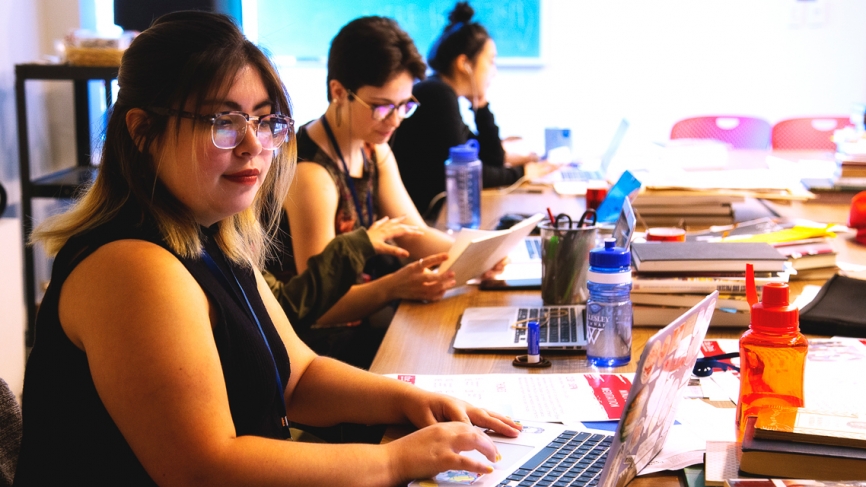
772,356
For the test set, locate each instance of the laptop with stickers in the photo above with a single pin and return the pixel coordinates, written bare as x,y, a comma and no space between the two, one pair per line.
550,454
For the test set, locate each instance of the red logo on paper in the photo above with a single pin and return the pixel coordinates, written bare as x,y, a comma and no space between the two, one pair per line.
611,391
710,348
406,378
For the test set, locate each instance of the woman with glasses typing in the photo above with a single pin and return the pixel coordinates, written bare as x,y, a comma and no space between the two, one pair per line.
463,61
347,178
161,357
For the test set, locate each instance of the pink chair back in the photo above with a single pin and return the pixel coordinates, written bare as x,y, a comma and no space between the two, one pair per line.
740,132
812,133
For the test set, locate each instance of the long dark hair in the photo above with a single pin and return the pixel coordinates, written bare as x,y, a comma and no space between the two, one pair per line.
369,51
460,36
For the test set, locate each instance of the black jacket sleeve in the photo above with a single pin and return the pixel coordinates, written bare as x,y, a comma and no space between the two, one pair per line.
329,275
492,155
421,143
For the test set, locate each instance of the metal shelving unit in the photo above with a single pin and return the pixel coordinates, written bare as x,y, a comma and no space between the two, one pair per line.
65,182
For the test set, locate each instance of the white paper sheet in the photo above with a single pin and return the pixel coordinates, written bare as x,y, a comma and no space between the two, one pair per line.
562,398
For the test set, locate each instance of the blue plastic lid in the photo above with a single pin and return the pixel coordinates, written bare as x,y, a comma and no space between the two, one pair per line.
467,152
610,257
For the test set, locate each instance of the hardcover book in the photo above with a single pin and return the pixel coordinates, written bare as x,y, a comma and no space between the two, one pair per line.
773,458
705,256
809,426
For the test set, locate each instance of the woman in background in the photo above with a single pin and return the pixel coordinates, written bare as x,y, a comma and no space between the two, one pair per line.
347,178
463,61
161,357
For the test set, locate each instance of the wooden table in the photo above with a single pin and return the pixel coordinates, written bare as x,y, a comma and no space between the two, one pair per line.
420,336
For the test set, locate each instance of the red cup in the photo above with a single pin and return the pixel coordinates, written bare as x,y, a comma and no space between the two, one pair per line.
594,196
666,234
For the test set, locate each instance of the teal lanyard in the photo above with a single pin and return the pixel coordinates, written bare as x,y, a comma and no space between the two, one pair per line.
220,275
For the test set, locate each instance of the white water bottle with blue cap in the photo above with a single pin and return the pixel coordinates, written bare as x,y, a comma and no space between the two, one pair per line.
463,186
608,309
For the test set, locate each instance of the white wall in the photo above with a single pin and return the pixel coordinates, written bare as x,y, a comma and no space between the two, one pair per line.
27,31
658,61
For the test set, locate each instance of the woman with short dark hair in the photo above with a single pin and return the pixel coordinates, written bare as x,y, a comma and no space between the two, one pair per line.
347,178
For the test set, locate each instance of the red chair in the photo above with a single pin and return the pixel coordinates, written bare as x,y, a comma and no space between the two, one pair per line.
740,132
813,133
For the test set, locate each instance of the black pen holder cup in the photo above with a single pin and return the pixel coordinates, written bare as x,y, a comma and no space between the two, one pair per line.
565,262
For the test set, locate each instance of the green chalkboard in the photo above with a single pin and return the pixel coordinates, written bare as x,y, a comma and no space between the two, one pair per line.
304,28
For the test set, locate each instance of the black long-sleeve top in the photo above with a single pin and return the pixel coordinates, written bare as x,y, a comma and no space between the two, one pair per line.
422,141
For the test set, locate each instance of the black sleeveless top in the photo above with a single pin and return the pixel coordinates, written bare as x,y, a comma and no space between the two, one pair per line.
347,217
69,437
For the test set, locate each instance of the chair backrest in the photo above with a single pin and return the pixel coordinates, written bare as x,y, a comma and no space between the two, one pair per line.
10,434
811,133
740,132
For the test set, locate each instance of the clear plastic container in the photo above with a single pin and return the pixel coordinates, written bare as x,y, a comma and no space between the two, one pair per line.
463,187
608,310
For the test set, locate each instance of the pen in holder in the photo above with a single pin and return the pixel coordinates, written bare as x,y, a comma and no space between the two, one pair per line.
565,250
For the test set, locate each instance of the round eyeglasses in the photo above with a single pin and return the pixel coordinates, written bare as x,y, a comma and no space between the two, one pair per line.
381,112
229,128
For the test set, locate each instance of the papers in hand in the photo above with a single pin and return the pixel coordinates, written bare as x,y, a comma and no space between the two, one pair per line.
477,251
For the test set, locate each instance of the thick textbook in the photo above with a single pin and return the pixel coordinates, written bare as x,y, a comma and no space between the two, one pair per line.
809,426
660,315
641,283
773,458
705,256
727,302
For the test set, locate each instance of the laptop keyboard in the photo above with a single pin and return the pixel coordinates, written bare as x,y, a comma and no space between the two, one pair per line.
573,458
533,247
556,325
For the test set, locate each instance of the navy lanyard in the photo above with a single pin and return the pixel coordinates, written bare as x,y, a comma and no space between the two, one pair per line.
349,181
220,275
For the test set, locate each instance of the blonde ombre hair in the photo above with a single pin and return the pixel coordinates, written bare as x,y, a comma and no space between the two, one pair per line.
183,60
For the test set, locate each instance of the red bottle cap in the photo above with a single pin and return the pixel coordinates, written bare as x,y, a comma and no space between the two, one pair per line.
774,311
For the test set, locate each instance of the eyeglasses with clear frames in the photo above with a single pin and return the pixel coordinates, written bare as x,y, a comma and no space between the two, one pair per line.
229,128
381,112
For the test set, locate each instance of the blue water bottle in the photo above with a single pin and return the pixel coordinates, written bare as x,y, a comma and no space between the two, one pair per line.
608,309
463,186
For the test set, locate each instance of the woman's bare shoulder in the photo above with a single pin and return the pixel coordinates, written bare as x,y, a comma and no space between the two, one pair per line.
133,278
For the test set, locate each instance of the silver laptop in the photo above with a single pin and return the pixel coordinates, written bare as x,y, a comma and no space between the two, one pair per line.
549,454
499,328
571,173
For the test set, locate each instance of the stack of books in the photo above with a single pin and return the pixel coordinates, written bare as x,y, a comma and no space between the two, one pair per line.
675,207
670,277
813,258
808,246
851,161
800,443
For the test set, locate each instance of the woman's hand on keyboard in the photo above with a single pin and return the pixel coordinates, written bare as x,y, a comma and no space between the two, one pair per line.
448,426
436,448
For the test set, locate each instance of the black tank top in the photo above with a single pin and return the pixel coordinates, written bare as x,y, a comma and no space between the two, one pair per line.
69,437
